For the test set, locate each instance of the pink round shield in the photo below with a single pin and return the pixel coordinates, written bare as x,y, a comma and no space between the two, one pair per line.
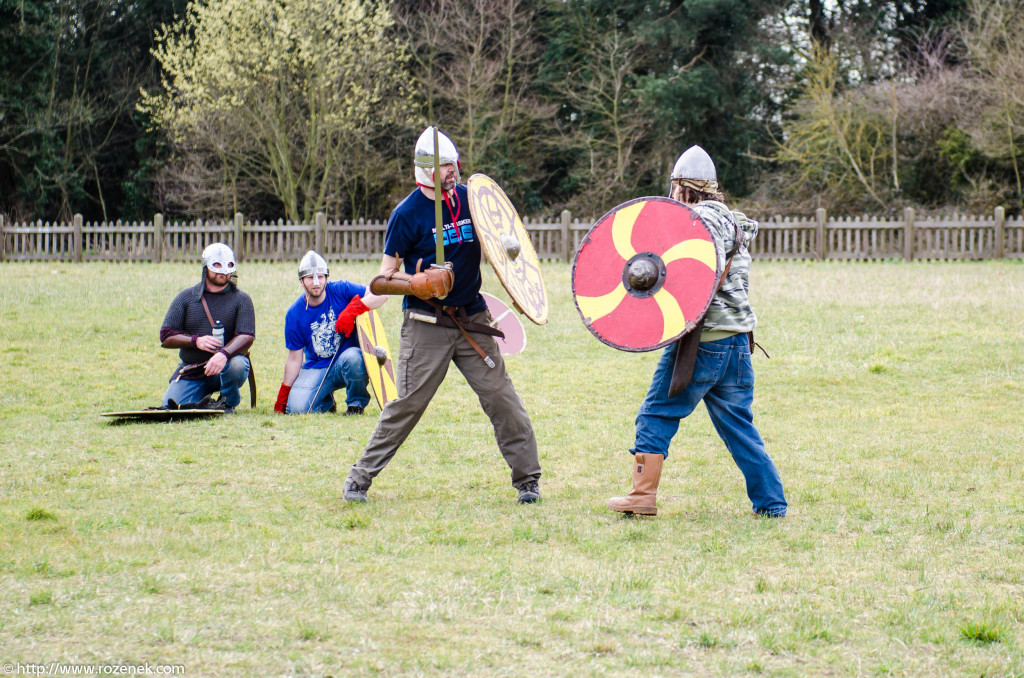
507,321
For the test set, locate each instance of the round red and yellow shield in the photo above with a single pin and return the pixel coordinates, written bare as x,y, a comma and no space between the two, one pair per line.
507,246
645,274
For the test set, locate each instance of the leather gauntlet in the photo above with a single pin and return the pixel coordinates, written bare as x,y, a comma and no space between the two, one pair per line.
433,283
429,284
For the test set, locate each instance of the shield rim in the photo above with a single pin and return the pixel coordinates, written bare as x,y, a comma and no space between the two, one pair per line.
525,244
690,324
365,324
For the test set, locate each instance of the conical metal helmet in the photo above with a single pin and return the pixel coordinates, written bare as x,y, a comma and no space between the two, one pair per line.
312,263
695,163
423,158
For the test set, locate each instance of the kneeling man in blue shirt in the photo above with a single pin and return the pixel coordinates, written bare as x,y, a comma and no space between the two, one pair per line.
323,348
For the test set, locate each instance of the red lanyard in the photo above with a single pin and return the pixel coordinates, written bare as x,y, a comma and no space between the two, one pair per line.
455,212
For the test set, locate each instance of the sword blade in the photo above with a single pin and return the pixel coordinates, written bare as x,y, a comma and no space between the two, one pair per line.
437,203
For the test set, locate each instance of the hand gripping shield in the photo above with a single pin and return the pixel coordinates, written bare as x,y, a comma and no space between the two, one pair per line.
645,274
507,246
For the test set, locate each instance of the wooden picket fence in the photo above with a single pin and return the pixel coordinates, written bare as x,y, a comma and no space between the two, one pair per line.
822,237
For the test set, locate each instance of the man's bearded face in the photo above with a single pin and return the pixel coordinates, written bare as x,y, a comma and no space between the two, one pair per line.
217,279
447,177
315,285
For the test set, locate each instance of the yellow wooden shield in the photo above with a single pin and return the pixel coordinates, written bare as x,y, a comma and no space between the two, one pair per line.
377,357
507,246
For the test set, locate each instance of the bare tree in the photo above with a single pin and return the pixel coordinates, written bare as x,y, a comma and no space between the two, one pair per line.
991,36
838,143
281,96
475,62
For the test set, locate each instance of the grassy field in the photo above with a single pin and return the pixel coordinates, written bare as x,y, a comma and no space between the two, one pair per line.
892,405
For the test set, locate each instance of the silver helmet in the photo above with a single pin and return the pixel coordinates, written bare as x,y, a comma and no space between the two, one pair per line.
423,158
696,166
219,258
312,263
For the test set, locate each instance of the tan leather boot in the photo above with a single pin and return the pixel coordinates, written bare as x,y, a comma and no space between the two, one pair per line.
642,498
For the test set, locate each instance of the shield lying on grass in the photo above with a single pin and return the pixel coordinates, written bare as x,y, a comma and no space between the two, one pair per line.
159,414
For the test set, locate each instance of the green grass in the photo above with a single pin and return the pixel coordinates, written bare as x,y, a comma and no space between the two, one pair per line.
891,404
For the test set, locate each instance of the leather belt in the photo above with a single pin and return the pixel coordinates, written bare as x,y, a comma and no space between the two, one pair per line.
456,317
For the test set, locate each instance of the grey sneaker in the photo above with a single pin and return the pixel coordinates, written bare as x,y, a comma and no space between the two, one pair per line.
529,492
353,493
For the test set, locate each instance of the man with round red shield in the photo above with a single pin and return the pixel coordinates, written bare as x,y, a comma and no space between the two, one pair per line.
710,346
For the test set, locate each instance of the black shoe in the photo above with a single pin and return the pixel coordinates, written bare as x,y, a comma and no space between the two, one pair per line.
353,409
353,493
529,492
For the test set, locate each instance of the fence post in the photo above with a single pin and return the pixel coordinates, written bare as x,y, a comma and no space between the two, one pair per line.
1000,226
908,233
158,237
566,218
821,215
320,233
3,239
239,243
78,238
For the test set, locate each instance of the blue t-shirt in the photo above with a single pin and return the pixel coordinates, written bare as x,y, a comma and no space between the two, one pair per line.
312,329
410,235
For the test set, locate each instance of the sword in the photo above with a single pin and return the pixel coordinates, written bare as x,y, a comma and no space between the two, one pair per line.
438,226
326,373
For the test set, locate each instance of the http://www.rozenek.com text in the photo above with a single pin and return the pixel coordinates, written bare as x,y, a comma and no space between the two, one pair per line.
63,669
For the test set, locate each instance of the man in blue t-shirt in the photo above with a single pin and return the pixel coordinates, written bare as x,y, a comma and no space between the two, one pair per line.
446,321
323,349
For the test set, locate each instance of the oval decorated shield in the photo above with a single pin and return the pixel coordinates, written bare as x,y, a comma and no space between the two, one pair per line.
645,274
507,246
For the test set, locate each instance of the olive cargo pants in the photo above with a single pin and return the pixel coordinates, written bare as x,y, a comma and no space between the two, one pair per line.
425,352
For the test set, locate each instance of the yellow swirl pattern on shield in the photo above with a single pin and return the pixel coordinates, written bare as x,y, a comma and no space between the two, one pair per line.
675,323
382,376
598,307
622,230
494,217
701,250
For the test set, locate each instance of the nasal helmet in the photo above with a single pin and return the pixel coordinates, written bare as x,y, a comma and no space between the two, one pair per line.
312,263
423,158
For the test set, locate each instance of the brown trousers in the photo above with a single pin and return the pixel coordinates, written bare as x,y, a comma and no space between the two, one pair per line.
423,358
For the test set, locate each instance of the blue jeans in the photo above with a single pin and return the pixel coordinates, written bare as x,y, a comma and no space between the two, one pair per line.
347,372
723,378
227,382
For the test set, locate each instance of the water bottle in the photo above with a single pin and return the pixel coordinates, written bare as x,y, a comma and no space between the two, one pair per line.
218,332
